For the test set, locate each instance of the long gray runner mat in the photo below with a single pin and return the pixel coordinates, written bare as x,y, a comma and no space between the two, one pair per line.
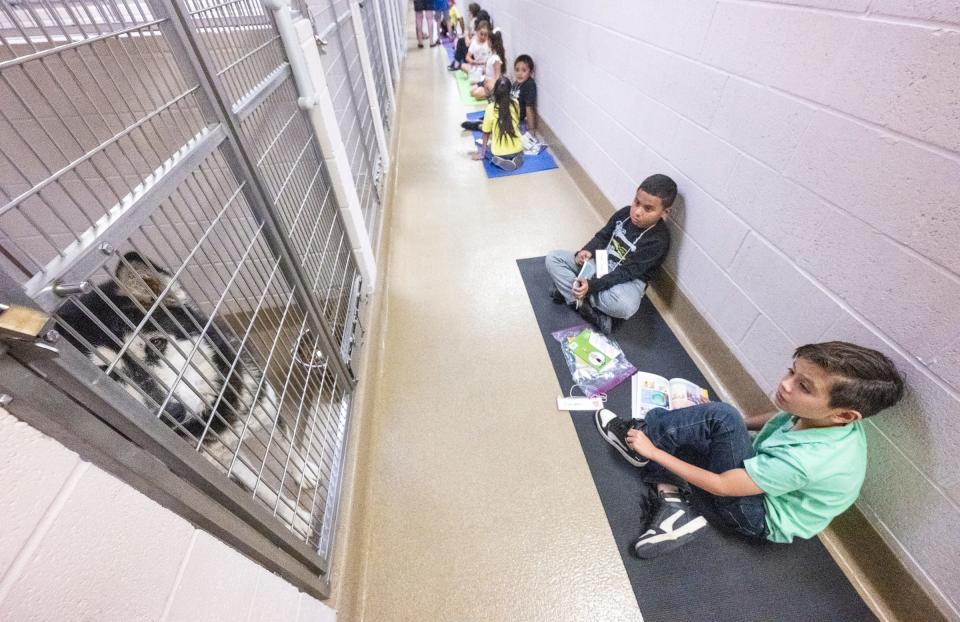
718,577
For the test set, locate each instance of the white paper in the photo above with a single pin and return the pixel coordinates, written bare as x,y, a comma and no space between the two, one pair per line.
579,403
603,259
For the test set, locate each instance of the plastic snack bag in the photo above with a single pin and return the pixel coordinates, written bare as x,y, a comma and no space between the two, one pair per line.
531,145
595,361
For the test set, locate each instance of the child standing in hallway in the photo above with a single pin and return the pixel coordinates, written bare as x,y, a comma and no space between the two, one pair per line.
424,21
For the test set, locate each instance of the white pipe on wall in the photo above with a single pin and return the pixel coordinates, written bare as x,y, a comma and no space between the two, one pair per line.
324,121
284,20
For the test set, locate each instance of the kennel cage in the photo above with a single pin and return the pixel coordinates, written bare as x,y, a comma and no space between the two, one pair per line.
345,81
165,202
370,14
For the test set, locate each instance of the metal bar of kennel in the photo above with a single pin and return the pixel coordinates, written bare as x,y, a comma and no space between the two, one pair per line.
334,25
200,62
385,60
328,528
80,257
366,64
393,11
389,31
323,120
357,108
84,42
400,10
252,100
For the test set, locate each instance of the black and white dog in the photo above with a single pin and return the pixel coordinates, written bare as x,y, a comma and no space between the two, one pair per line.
176,358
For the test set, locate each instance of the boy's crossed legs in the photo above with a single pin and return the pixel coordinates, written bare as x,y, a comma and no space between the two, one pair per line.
712,436
620,301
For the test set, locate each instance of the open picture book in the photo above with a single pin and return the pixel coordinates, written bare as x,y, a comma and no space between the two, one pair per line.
652,391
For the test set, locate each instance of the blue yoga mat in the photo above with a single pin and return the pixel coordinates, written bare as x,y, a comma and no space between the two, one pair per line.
449,47
543,161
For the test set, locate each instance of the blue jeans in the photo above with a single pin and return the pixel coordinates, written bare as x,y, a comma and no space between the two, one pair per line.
620,301
714,437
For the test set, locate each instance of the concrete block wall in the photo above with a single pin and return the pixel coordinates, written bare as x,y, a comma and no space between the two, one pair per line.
79,544
817,148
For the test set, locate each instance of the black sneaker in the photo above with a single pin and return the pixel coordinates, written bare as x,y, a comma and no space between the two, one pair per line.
596,317
614,430
557,297
453,66
674,524
473,126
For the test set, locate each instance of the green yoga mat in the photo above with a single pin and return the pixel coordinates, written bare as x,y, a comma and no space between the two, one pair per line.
463,86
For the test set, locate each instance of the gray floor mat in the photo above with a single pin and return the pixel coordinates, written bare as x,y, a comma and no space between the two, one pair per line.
718,577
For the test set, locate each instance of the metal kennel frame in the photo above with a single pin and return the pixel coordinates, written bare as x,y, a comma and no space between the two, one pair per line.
345,80
162,146
372,23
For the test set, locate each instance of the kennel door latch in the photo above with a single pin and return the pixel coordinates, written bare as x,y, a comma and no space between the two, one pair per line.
23,331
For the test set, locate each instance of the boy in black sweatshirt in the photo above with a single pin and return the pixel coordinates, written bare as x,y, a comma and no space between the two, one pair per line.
636,240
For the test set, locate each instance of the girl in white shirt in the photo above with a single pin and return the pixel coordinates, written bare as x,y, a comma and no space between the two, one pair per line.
477,53
492,68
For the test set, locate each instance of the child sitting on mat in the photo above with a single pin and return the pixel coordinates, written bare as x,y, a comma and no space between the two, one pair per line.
492,68
477,54
502,122
636,239
477,17
524,90
805,466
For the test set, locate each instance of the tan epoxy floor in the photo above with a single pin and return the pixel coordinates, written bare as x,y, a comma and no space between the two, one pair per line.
480,505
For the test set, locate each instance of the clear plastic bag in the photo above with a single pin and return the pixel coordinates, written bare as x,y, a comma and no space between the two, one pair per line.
607,369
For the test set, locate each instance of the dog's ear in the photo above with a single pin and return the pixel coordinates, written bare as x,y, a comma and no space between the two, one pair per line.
143,281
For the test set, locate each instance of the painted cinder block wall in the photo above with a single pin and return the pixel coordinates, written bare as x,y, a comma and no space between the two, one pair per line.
816,146
79,544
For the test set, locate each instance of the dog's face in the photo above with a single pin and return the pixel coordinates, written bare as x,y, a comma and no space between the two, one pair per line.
170,351
172,361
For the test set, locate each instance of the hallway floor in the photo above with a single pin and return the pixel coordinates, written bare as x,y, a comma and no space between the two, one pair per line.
480,505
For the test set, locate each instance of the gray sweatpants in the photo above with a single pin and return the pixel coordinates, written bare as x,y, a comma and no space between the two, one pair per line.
620,301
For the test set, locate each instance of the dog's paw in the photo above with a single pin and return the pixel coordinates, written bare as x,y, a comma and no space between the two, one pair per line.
299,519
311,475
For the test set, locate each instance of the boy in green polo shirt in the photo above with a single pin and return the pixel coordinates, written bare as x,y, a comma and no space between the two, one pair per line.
805,466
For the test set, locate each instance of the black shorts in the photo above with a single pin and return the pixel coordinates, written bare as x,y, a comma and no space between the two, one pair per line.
422,5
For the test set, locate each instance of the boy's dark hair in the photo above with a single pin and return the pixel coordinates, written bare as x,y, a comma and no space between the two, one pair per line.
660,186
863,379
474,8
505,104
525,58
